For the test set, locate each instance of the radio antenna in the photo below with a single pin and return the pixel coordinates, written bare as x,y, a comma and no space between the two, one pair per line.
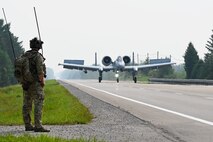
38,27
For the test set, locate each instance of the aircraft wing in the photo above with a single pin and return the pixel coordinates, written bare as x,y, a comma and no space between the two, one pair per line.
108,68
139,67
86,67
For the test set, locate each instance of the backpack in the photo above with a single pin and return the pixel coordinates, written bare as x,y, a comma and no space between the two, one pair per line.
22,69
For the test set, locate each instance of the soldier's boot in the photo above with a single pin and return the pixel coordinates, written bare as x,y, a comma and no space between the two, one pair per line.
41,129
28,125
27,118
29,128
38,113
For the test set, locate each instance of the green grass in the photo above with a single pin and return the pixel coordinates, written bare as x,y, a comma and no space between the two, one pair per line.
59,106
143,78
41,138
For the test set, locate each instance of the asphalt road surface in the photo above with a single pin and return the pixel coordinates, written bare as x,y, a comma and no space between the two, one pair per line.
183,110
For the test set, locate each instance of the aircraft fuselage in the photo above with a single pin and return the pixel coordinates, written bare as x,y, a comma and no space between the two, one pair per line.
119,64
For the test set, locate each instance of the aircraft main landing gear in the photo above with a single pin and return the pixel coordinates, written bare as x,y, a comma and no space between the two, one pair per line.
100,77
135,79
134,76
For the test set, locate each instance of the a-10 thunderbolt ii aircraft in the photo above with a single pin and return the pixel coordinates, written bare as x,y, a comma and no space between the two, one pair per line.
120,64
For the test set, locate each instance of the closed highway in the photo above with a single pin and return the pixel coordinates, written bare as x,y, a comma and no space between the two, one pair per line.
185,111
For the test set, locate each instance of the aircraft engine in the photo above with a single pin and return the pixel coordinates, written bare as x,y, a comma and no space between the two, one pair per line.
106,61
126,59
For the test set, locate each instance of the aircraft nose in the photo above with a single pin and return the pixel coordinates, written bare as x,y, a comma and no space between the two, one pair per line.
121,65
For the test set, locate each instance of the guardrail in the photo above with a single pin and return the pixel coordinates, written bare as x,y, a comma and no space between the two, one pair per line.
182,81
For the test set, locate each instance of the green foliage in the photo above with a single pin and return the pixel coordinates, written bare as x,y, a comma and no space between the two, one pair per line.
162,72
209,44
5,69
41,138
198,70
191,58
179,71
143,77
208,66
6,55
208,59
57,101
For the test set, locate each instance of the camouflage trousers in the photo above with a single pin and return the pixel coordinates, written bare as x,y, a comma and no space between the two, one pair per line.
34,93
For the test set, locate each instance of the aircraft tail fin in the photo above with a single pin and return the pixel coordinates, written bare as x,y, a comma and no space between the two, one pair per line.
96,59
133,58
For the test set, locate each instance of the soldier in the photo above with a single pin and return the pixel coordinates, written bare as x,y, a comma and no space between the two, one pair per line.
34,92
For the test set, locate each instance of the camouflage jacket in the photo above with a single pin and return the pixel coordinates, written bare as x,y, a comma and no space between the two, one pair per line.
36,61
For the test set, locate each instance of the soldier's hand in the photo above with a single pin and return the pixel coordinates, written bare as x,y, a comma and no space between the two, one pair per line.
41,80
42,84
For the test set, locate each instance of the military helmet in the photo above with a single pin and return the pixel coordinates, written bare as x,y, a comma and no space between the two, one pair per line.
35,43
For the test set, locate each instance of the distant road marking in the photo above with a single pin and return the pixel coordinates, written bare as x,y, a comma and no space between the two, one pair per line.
152,106
209,98
179,93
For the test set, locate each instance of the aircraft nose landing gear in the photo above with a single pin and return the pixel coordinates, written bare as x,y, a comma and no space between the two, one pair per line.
117,80
117,77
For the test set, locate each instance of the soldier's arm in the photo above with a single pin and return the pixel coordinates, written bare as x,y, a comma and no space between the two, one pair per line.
40,69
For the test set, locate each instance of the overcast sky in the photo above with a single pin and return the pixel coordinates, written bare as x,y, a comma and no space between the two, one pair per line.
76,29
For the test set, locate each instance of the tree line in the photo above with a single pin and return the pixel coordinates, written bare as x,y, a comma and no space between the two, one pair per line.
6,54
195,67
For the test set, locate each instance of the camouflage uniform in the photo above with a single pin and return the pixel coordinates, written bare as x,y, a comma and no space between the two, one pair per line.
34,92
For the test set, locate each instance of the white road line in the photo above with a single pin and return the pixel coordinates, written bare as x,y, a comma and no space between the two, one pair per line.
179,93
209,98
153,106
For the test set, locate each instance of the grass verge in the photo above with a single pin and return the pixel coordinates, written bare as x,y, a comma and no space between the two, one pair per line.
60,107
41,138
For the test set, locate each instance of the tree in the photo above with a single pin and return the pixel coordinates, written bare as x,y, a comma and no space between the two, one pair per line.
5,69
209,59
191,58
198,70
6,43
209,44
6,54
